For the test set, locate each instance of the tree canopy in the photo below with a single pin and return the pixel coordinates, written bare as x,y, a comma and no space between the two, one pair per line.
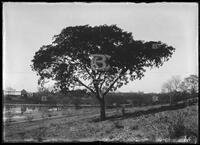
67,59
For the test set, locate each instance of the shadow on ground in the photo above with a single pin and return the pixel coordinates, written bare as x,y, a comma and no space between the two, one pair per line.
144,112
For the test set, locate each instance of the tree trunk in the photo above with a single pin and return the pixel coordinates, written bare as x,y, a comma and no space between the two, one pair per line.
100,97
171,99
102,110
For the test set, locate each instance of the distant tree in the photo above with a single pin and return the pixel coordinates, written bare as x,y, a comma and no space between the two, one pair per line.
40,95
172,86
190,84
24,93
140,92
155,99
76,96
67,59
129,101
10,89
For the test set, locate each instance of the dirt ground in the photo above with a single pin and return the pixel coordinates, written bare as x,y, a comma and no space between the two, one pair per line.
137,125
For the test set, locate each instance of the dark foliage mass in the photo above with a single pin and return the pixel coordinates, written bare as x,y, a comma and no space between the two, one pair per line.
78,98
67,59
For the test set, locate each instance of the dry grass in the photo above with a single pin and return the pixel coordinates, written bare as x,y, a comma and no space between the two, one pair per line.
162,126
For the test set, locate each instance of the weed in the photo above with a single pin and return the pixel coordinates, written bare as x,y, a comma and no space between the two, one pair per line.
22,135
40,133
118,124
135,127
29,118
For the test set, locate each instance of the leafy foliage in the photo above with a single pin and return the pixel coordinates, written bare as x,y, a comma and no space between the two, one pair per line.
67,59
190,84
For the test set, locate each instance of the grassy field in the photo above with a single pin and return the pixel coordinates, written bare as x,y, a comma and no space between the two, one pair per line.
151,124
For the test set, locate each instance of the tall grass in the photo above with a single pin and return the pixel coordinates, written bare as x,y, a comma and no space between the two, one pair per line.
174,125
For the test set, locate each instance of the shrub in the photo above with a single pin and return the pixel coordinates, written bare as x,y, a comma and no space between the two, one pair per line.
22,135
177,129
118,124
135,127
9,117
178,126
8,120
43,115
29,117
65,113
40,133
174,125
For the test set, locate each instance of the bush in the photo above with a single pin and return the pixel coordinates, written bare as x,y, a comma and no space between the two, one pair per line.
9,120
173,125
29,117
9,117
179,126
118,124
41,133
135,127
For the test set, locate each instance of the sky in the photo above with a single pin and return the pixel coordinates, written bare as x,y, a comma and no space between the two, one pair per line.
28,26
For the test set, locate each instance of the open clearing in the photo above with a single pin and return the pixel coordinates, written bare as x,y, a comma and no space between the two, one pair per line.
159,123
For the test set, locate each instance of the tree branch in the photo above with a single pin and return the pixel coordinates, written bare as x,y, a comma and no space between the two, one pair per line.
88,72
96,87
76,79
99,75
102,83
112,84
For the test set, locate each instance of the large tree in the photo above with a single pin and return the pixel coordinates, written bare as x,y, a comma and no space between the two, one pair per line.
67,59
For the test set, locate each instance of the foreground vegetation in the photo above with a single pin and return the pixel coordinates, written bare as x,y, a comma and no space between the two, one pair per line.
161,123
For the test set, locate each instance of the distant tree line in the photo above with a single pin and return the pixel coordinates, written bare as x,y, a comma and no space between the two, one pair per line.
173,90
113,99
186,88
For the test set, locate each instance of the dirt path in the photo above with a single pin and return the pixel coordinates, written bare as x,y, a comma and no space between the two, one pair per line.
24,126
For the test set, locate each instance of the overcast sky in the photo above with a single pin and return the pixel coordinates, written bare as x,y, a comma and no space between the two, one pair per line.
28,26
